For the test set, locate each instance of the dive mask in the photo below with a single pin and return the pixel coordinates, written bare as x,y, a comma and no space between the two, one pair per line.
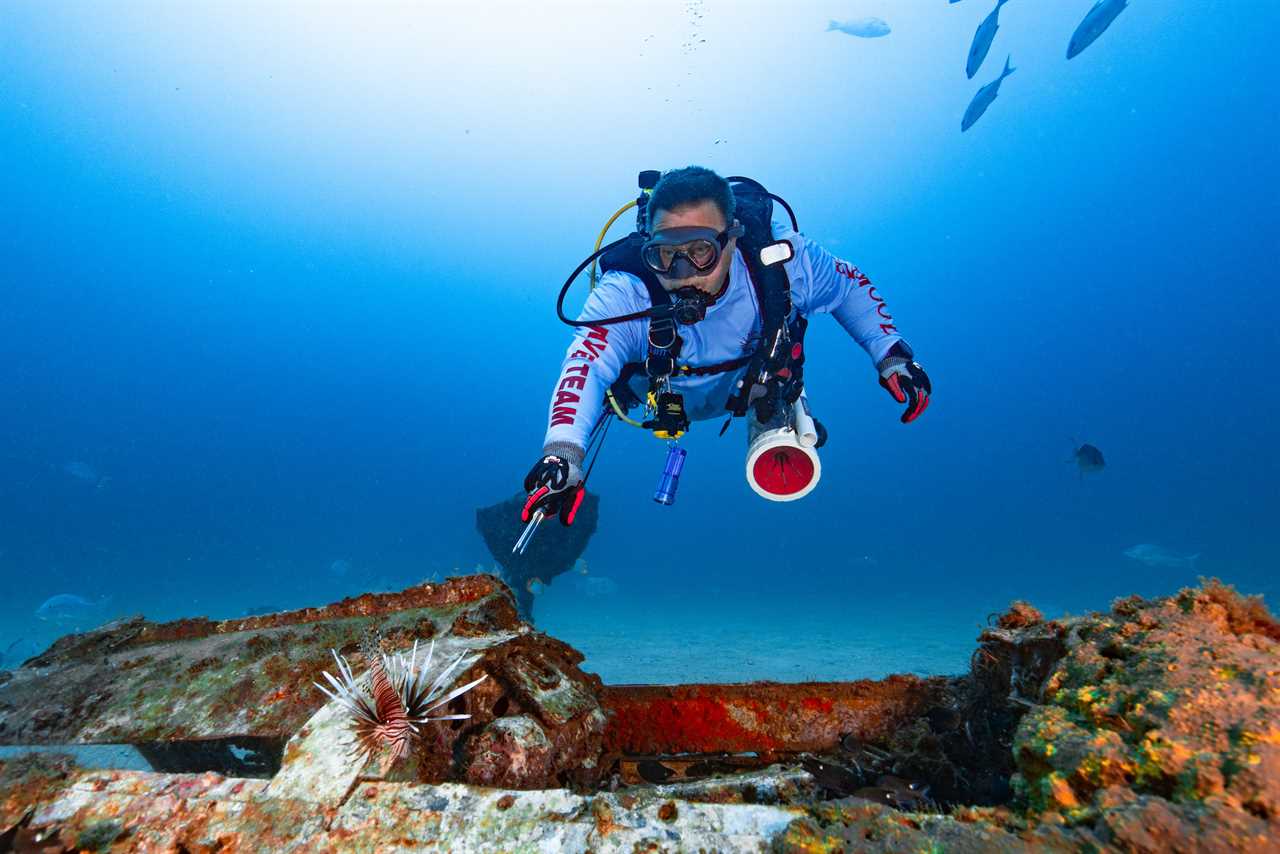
687,251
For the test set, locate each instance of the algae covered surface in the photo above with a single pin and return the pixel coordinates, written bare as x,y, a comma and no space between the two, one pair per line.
1152,727
1158,729
1162,725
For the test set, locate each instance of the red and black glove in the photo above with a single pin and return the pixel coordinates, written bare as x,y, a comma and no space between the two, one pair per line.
903,378
555,487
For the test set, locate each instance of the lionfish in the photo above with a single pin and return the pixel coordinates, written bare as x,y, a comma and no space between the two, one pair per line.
384,706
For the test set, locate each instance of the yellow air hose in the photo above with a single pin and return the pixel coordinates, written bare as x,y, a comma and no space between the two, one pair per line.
595,277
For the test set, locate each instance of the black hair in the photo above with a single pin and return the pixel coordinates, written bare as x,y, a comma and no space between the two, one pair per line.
688,186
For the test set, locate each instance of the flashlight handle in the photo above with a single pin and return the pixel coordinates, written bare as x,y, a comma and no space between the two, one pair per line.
666,492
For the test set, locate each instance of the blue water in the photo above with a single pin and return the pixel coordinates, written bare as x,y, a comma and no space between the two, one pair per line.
278,294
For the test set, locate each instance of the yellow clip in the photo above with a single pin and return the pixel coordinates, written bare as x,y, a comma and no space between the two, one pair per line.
662,434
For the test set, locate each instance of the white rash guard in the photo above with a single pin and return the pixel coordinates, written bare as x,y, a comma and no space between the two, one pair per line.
820,283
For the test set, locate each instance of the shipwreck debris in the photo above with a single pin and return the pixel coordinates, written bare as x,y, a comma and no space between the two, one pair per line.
1152,726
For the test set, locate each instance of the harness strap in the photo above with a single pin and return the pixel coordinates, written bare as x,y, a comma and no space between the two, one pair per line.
664,342
709,370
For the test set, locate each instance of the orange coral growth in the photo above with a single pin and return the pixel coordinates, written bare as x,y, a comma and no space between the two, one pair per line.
1245,615
1020,615
1160,720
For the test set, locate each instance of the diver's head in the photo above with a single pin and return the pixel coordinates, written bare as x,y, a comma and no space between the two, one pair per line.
692,230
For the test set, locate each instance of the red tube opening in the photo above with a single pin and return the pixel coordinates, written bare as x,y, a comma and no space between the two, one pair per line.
782,470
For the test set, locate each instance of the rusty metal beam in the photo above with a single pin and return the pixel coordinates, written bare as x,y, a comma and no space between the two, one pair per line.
201,694
762,717
135,682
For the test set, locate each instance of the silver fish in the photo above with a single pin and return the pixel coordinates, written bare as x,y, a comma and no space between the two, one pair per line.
70,609
982,40
82,471
1159,556
983,99
863,28
1094,24
18,651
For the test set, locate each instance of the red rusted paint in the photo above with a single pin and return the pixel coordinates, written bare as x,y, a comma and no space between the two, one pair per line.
704,721
765,716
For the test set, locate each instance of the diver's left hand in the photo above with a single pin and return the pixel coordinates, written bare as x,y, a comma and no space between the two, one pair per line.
903,378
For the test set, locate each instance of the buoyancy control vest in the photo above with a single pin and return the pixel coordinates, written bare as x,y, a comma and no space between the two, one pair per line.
774,375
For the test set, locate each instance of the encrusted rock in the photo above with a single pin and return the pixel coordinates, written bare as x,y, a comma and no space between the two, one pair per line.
1154,728
1176,700
511,752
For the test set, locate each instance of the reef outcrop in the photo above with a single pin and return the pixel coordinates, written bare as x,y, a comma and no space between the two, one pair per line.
1154,727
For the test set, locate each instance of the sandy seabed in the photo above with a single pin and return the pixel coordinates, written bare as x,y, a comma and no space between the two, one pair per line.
743,638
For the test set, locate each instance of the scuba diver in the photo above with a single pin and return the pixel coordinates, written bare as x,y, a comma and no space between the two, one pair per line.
701,312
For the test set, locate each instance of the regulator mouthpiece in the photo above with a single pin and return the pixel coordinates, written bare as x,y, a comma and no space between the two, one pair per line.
690,306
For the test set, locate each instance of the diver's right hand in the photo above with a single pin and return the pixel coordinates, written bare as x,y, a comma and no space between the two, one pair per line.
555,487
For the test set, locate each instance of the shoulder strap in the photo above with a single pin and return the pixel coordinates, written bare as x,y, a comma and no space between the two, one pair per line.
776,361
754,209
664,343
